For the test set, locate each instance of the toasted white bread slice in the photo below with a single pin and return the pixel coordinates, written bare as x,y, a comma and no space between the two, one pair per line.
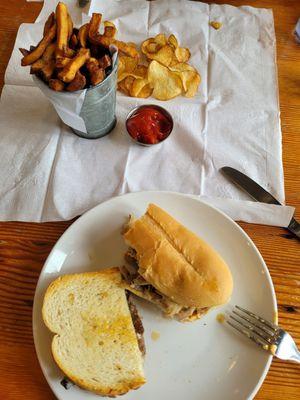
95,343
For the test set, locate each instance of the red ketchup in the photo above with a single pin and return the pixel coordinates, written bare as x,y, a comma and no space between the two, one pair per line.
149,124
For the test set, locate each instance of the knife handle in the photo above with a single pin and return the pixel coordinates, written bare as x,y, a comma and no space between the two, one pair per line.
294,227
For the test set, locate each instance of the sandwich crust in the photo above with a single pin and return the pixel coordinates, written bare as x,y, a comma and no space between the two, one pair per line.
177,262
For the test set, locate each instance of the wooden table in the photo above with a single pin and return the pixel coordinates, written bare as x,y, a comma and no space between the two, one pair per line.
25,246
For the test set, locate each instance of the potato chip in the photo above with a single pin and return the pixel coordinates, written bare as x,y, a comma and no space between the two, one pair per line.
145,44
166,84
126,66
192,83
122,88
140,88
173,62
152,47
133,47
145,92
131,44
161,39
109,29
128,83
187,78
122,76
140,71
128,63
182,54
182,67
173,41
109,23
165,55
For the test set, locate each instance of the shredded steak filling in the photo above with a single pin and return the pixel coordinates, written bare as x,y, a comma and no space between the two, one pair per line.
147,291
138,325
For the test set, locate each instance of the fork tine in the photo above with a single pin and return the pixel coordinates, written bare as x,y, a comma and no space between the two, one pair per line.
253,322
249,335
260,319
249,327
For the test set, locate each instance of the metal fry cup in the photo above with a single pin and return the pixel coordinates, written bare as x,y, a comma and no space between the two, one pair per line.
91,112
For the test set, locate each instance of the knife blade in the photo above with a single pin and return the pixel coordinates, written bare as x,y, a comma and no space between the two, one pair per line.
258,193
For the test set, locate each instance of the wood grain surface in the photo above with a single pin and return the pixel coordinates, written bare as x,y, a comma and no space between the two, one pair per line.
25,246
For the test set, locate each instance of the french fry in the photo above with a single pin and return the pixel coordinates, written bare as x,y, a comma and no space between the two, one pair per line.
62,20
73,41
44,69
39,50
47,71
61,62
95,25
105,61
93,60
70,25
78,83
57,85
126,48
83,34
50,21
106,40
97,74
36,67
69,71
24,51
122,46
49,52
68,52
95,50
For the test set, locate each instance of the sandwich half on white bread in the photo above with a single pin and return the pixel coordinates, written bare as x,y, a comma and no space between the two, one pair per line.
172,267
97,339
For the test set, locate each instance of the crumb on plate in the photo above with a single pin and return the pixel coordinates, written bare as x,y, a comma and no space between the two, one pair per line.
155,335
220,318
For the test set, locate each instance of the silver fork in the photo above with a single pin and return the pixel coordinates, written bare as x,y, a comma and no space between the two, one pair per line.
264,333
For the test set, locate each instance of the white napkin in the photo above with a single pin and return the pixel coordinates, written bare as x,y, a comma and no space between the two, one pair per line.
48,173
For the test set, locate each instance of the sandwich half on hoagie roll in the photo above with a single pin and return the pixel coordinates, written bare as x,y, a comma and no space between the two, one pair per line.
172,267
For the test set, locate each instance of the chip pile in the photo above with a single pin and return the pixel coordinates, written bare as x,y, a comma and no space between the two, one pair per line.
165,73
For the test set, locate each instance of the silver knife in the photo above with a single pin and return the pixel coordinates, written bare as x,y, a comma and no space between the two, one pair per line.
258,193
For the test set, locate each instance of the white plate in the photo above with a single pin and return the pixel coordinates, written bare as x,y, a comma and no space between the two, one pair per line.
202,360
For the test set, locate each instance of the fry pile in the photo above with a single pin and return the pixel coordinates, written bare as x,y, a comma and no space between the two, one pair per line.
73,59
165,73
